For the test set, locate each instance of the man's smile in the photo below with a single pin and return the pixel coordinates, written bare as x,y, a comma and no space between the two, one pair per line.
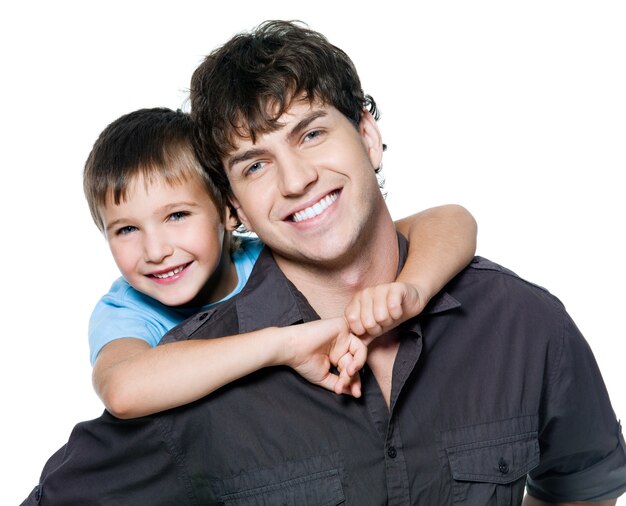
316,209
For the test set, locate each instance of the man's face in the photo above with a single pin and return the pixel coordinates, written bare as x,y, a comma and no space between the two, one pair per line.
167,240
309,189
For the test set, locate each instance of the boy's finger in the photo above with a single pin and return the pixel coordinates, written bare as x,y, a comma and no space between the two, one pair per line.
333,383
353,316
395,298
368,319
359,356
355,387
350,385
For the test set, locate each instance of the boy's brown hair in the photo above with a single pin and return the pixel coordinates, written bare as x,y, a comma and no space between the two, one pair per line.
154,143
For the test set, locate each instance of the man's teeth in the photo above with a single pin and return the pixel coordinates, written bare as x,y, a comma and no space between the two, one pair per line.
170,273
316,209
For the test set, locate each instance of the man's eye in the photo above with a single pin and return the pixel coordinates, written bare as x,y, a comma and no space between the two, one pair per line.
125,230
312,135
178,216
255,167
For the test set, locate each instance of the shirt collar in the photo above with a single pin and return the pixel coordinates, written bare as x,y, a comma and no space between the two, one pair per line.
270,299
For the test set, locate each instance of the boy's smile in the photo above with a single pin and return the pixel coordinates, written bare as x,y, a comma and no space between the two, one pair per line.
168,242
169,275
309,188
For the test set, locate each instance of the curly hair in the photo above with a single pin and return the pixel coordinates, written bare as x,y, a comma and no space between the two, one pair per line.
242,88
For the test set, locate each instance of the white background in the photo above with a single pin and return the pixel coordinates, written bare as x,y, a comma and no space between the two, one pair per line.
517,111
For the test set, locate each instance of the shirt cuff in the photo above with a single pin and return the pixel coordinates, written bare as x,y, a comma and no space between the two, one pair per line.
604,480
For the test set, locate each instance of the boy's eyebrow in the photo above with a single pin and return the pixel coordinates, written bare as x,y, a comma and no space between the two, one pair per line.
294,132
172,205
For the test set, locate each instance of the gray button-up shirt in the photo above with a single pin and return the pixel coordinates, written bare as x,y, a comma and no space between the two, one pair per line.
493,387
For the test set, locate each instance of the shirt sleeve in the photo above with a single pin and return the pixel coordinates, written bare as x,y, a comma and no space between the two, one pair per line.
583,457
108,461
110,321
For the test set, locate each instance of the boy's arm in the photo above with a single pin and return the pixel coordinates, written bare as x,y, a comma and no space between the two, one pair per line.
133,379
442,241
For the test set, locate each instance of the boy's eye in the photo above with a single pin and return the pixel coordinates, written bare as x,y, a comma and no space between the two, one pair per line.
178,216
125,230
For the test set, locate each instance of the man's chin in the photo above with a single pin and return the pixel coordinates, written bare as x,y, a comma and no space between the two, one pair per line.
322,257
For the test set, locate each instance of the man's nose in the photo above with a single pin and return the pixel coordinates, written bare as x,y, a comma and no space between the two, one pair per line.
296,175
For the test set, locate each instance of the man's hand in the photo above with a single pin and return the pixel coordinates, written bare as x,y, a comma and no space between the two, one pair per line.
316,346
376,310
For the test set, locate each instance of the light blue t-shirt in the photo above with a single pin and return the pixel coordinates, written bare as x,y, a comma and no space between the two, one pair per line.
125,312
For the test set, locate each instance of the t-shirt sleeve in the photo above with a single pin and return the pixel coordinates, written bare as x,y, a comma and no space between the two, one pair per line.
112,320
583,457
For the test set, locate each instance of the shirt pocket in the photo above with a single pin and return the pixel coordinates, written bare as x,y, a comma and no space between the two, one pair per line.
489,462
311,482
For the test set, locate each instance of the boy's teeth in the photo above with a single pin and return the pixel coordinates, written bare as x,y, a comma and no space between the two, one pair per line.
169,274
315,209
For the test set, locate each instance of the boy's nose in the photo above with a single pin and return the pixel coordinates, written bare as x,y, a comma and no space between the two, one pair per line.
157,249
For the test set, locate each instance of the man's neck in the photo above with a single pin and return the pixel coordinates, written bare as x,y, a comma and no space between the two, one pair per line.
330,288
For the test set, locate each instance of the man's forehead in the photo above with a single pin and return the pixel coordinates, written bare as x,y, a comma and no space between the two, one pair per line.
298,108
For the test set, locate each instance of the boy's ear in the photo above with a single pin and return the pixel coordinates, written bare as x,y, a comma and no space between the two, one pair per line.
370,135
241,216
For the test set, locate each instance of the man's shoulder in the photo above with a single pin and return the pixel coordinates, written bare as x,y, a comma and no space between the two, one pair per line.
217,321
482,267
483,264
484,277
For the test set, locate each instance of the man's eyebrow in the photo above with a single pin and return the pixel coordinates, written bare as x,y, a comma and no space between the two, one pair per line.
294,132
246,155
305,122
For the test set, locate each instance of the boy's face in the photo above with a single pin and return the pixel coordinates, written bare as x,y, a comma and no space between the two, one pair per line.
309,189
168,242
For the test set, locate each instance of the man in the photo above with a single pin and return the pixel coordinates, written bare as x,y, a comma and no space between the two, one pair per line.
491,385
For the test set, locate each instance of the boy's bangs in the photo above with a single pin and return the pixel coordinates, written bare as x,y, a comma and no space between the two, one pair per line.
177,167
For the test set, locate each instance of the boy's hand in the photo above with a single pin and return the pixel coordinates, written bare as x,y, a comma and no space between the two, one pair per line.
318,345
377,309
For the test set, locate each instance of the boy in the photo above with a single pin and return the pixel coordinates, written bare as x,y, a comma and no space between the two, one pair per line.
170,234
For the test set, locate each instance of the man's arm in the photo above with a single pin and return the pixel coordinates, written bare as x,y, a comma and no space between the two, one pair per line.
112,461
442,241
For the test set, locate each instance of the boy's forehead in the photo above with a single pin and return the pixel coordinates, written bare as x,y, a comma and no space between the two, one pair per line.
143,181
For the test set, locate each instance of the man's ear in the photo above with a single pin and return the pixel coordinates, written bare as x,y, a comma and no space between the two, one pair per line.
231,222
372,140
241,216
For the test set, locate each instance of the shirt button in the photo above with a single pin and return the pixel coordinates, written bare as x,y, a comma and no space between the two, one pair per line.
203,316
392,452
503,467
